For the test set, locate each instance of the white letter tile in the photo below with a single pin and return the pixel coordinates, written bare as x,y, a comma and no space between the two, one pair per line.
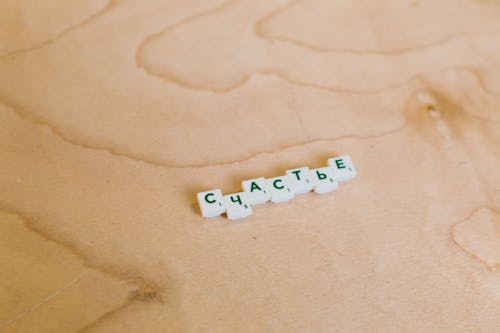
343,167
324,180
280,189
211,203
237,206
300,180
257,190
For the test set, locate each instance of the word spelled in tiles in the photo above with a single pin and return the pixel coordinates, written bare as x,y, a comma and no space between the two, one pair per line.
277,189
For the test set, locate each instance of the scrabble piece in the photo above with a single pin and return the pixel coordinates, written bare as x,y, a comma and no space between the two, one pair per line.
237,206
277,189
211,203
324,180
256,190
343,167
280,189
300,180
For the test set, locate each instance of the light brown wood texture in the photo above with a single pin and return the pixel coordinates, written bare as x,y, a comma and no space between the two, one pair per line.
114,114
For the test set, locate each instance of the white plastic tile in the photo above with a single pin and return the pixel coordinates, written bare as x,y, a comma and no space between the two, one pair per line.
343,167
211,203
237,206
257,190
300,180
280,189
324,180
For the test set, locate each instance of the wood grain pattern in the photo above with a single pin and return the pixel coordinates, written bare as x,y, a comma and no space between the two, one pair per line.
114,114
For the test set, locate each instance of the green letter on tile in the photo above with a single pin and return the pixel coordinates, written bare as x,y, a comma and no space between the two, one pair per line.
206,198
320,175
276,186
238,199
254,186
296,173
340,164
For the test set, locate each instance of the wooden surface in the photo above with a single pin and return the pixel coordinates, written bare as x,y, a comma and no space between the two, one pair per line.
113,115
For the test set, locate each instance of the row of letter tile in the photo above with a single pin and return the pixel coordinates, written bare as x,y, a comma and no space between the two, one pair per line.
278,189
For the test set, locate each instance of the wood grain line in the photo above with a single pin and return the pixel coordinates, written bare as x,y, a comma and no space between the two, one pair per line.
259,31
104,317
171,78
159,163
491,268
52,40
44,301
138,282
